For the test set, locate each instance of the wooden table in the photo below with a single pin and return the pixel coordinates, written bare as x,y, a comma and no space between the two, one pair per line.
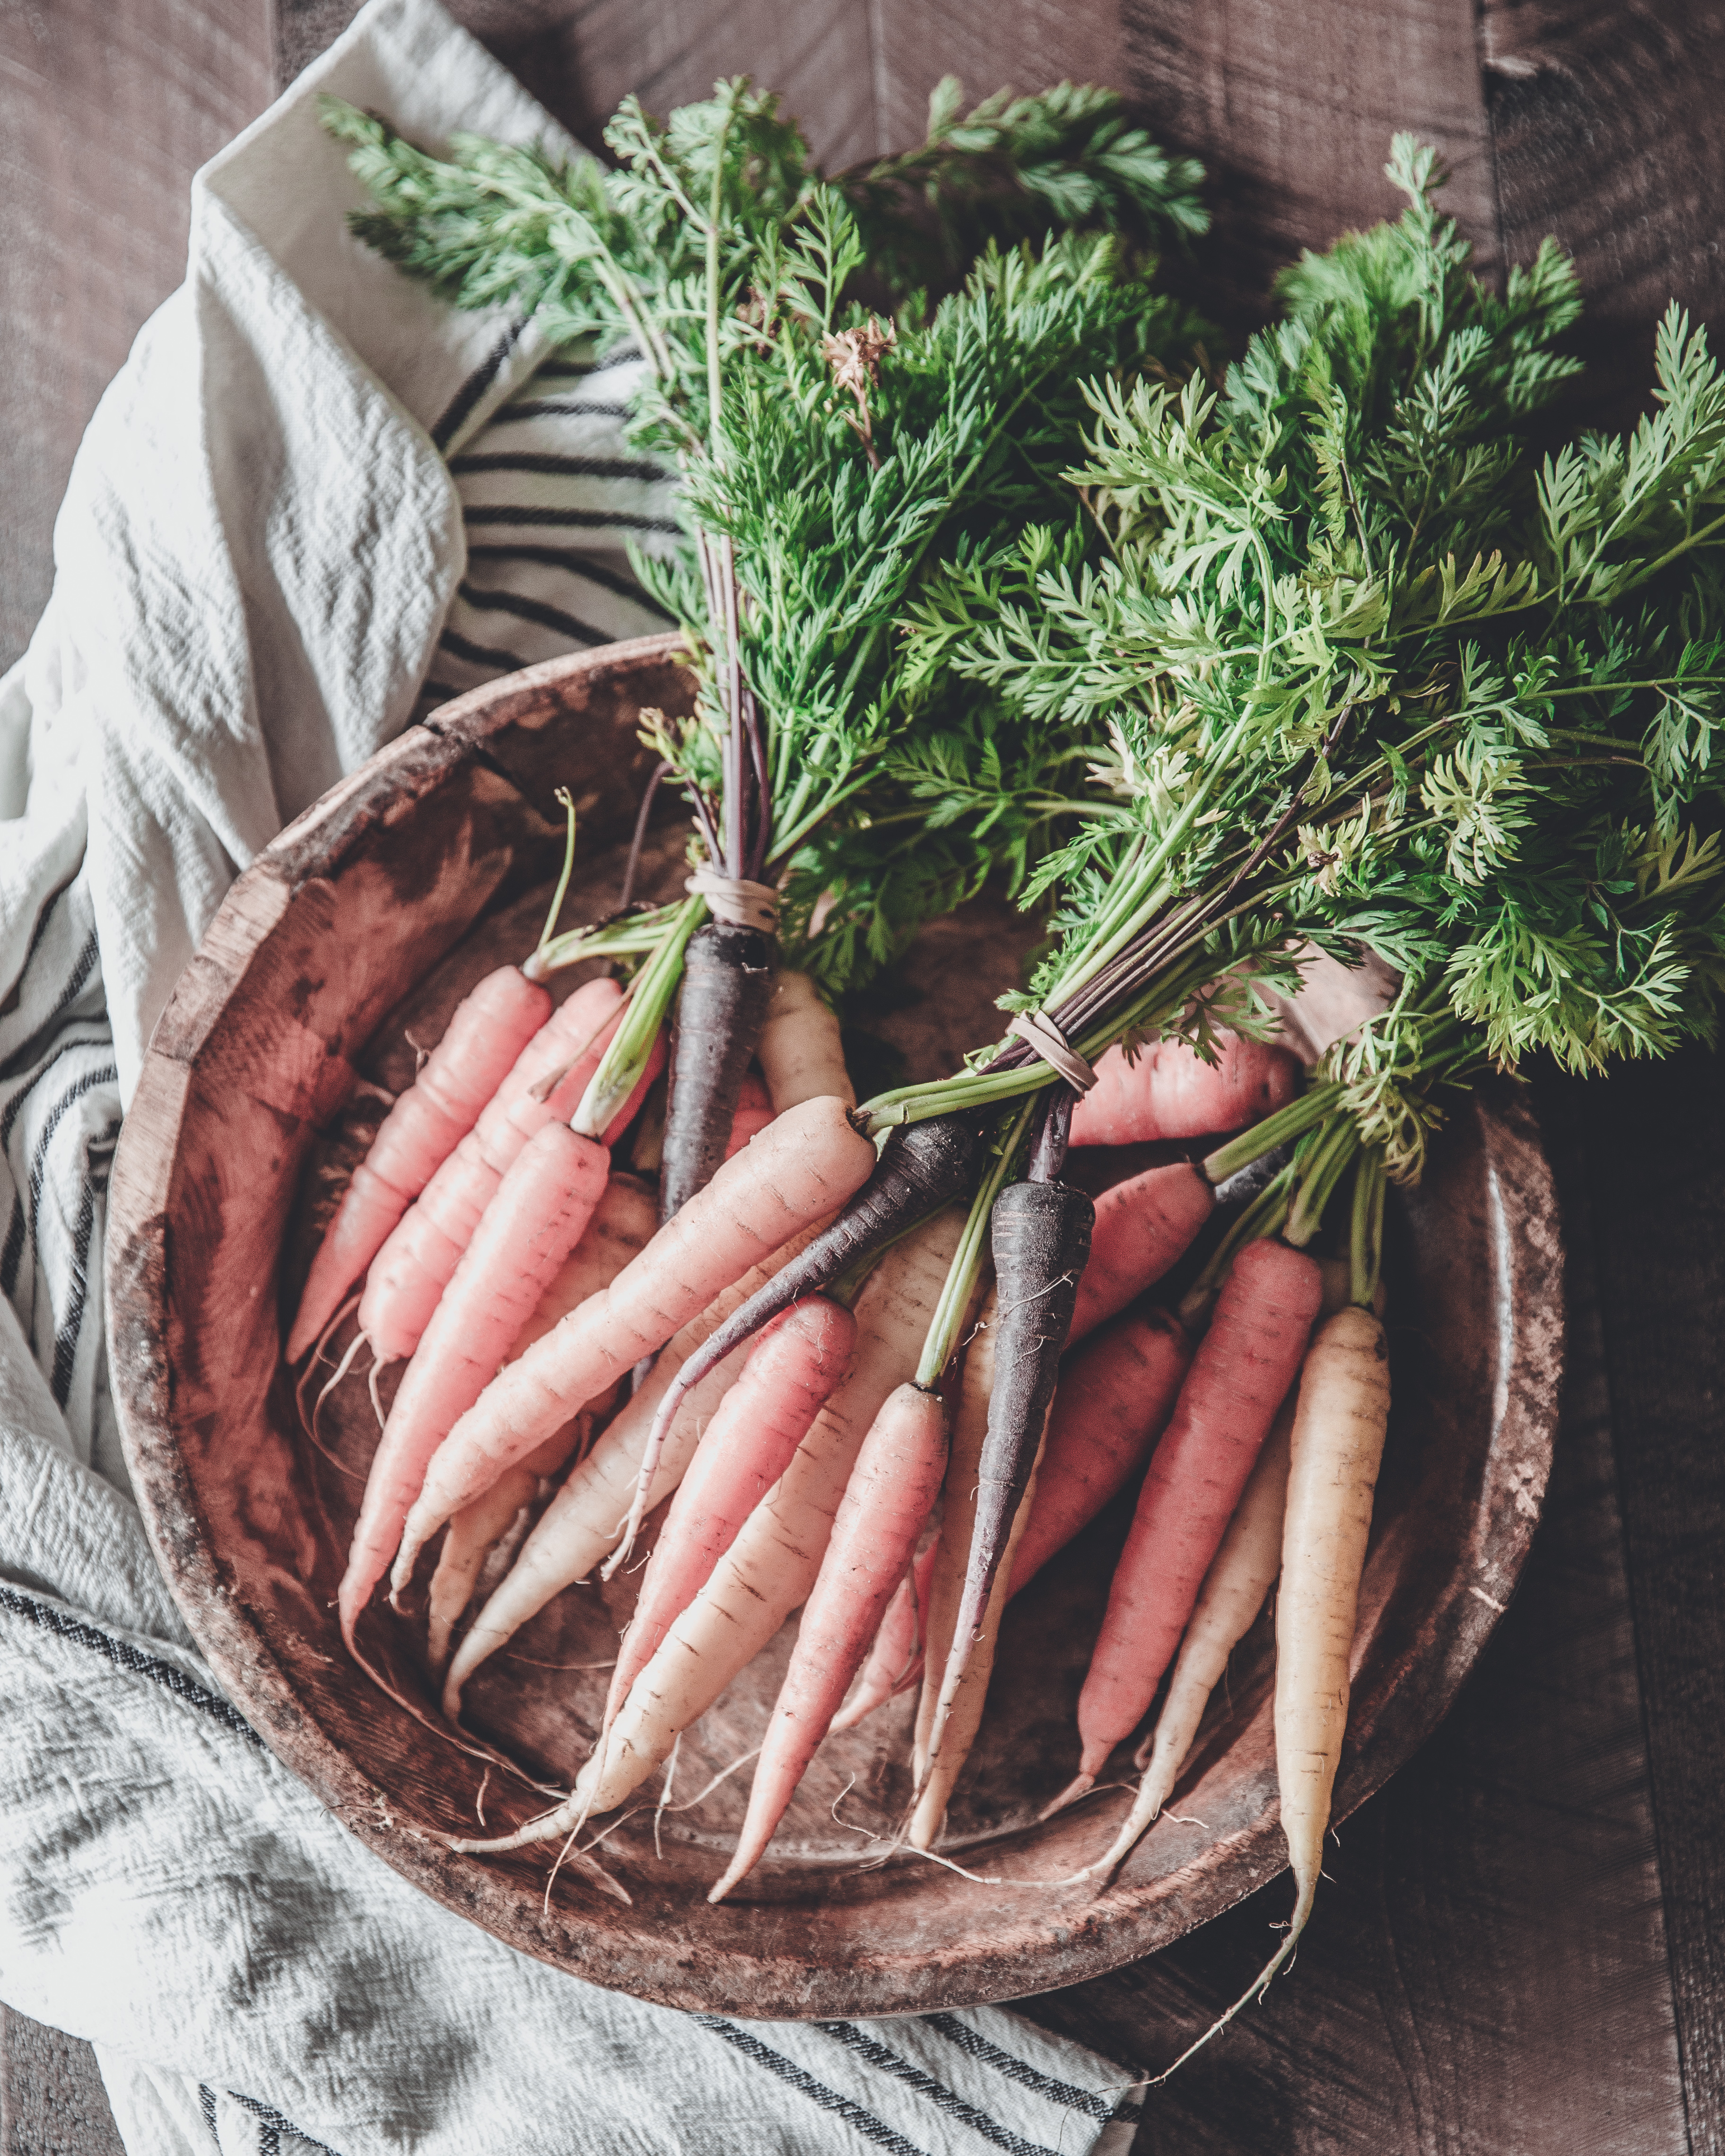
1521,1952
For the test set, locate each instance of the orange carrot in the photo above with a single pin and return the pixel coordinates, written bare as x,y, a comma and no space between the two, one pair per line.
583,1523
896,1479
1143,1226
791,1369
895,1662
1114,1400
754,1111
799,1169
1243,1368
529,1227
490,1027
1167,1090
411,1271
773,1563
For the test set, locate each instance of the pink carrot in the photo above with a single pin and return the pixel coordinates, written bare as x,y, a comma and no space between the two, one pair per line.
529,1227
1167,1090
419,1261
895,1662
1114,1401
754,1111
1142,1226
1239,1377
896,1479
794,1368
489,1028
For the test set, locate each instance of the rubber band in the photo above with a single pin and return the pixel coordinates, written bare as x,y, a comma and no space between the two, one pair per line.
1039,1031
737,901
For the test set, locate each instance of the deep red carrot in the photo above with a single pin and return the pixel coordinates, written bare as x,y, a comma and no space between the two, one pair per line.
1115,1397
1238,1379
896,1479
728,976
800,1168
529,1228
1143,1226
790,1373
894,1660
417,1262
490,1027
1167,1090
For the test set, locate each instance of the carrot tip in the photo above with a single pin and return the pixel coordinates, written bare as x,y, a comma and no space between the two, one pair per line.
1076,1788
724,1885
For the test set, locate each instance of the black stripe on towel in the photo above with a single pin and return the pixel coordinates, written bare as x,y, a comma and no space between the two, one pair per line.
206,2105
1027,2076
578,564
124,1655
273,2123
580,370
21,1058
557,408
557,465
65,1341
476,384
483,601
481,655
787,2070
574,520
877,2053
12,1257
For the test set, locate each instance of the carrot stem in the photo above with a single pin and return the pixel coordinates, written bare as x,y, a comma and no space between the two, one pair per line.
950,1311
650,996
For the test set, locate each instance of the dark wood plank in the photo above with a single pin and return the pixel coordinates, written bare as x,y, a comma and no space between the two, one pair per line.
1655,1148
105,112
1486,1972
52,2101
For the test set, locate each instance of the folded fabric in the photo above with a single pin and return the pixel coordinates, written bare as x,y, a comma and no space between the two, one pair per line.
313,503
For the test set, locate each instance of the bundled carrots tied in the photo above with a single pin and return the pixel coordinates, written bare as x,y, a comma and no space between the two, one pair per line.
1354,672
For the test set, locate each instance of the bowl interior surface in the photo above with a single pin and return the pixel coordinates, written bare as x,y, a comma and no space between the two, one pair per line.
335,961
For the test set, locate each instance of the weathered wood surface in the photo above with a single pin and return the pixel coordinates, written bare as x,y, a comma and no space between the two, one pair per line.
402,871
1487,1874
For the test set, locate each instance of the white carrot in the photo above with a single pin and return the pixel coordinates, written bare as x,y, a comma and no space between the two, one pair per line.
799,1051
770,1568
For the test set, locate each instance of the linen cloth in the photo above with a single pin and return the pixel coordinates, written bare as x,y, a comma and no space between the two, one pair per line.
312,502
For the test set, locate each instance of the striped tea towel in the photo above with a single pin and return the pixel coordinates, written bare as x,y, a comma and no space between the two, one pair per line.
312,502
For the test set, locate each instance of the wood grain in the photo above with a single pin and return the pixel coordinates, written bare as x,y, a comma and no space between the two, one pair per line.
107,107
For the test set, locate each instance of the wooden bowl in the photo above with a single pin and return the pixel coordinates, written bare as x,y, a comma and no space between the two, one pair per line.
336,955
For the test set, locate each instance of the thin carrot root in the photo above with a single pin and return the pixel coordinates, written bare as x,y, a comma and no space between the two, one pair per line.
472,1532
885,1501
895,1662
1080,1785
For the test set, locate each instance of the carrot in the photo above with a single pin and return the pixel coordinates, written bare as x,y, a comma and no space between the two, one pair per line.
894,1660
529,1227
754,1111
622,1224
791,1371
490,1027
800,1167
800,1053
1243,1573
1167,1090
1332,1473
1143,1226
417,1262
768,1571
1040,1233
1237,1381
920,1167
1115,1397
728,976
895,1481
583,1523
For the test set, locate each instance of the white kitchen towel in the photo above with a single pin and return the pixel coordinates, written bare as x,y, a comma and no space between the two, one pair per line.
312,503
